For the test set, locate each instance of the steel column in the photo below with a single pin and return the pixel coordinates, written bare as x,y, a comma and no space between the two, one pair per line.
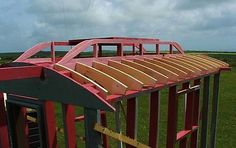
4,141
131,121
154,119
215,102
69,125
204,112
172,117
93,138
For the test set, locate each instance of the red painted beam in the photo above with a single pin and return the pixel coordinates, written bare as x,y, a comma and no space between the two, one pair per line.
14,73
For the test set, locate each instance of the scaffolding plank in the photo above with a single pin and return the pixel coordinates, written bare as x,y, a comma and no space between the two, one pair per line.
128,80
178,71
171,75
160,77
111,84
183,68
82,79
146,79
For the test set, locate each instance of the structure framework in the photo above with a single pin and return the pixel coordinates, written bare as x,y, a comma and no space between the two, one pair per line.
98,82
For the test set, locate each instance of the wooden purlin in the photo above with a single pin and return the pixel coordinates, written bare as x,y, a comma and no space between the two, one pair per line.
159,76
199,63
111,84
204,60
141,76
203,68
181,73
119,136
179,66
189,66
171,75
128,80
81,79
214,60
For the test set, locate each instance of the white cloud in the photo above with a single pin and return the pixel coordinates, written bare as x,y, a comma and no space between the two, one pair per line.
186,21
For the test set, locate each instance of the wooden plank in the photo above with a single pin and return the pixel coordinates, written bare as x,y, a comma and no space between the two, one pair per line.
111,84
171,75
160,77
82,79
214,60
205,61
131,82
119,137
195,69
178,71
208,66
193,63
185,69
144,78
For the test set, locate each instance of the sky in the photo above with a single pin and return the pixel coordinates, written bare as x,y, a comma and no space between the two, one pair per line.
195,24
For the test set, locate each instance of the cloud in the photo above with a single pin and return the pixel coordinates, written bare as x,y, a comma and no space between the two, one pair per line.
195,24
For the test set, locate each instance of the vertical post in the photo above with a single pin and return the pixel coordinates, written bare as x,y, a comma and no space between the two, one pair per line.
172,117
154,104
133,49
204,112
141,49
157,49
99,50
188,98
69,125
171,49
4,141
104,124
50,124
95,50
195,114
93,138
120,49
214,110
117,123
131,121
52,52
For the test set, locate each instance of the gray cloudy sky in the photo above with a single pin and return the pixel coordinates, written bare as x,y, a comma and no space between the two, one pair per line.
195,24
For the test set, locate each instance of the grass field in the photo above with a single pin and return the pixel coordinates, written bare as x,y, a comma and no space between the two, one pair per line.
226,131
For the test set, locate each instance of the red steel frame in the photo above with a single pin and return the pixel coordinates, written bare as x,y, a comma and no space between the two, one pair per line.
192,100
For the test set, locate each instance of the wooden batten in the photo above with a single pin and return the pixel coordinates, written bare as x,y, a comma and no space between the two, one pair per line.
204,61
214,60
187,70
111,84
82,79
141,76
128,80
171,75
178,71
159,76
199,63
192,67
203,68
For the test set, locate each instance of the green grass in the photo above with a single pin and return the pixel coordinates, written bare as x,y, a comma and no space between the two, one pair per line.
226,133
